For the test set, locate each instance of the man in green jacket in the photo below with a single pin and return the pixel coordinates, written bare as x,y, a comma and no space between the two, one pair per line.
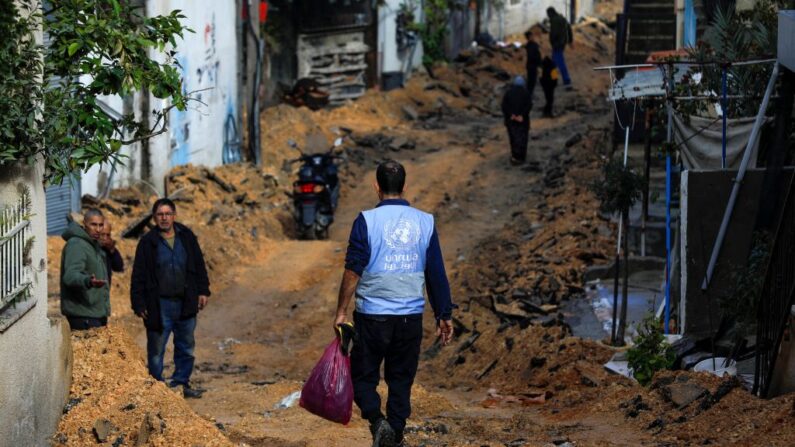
85,294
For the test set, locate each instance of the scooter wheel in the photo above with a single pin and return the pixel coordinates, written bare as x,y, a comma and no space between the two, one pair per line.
306,233
321,233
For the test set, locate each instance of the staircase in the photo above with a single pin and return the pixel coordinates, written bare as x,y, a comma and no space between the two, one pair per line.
650,26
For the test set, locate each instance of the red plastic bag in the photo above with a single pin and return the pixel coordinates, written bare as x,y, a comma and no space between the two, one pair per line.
328,392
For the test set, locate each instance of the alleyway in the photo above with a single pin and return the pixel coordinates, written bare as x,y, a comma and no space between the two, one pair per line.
512,377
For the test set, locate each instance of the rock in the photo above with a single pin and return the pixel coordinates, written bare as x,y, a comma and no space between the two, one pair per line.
149,425
682,394
537,362
410,113
574,139
102,429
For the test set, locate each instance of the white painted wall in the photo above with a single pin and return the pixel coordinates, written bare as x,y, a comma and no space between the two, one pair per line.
519,15
35,351
390,59
209,68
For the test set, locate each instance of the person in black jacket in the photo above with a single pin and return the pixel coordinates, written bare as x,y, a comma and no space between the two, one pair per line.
549,80
169,287
533,61
516,105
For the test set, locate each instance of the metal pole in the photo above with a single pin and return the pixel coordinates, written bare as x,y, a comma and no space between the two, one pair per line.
724,112
739,179
645,210
669,138
618,247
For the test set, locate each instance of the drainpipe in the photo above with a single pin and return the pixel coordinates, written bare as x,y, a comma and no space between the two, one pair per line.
253,111
739,179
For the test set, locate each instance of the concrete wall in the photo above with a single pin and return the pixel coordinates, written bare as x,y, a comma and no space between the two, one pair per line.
208,58
35,351
704,198
784,375
519,15
390,59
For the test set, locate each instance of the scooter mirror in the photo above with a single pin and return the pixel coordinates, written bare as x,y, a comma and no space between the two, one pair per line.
338,142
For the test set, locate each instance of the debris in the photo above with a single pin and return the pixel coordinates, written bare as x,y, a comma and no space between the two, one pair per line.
102,428
410,113
288,401
487,370
307,92
219,181
682,394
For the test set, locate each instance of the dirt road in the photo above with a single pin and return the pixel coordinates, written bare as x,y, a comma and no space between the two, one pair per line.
514,238
268,329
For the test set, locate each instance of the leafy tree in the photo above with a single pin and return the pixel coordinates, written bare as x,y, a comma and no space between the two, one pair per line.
95,47
619,190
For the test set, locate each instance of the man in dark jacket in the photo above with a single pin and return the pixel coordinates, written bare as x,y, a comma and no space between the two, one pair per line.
560,35
114,261
549,80
533,61
169,287
516,105
85,296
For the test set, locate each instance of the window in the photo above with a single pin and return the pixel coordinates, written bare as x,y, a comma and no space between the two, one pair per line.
15,260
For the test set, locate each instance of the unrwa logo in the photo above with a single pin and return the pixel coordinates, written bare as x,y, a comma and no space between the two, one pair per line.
401,234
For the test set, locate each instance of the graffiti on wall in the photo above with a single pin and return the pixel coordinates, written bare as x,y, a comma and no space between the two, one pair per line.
206,133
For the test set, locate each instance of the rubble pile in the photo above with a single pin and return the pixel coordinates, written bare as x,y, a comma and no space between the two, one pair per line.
114,401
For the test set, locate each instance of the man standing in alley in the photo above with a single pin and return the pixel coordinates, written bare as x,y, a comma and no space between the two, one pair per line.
85,294
560,35
393,254
113,259
516,105
169,288
532,61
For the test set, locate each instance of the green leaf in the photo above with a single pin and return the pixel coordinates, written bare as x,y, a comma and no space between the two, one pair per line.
73,48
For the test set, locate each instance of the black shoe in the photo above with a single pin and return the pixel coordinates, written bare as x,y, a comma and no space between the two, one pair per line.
191,393
383,435
187,391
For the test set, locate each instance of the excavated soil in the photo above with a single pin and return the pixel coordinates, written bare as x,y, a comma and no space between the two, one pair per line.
516,242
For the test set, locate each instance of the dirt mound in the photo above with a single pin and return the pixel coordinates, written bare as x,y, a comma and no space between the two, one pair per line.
113,399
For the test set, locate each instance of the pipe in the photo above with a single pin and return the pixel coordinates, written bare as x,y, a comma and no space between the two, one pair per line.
739,179
669,139
724,112
253,113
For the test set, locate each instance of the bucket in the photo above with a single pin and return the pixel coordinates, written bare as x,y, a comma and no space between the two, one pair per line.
706,366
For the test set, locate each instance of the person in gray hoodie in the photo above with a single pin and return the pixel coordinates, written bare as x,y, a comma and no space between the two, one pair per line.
85,294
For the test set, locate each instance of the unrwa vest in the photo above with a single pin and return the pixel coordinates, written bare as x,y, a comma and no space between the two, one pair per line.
393,283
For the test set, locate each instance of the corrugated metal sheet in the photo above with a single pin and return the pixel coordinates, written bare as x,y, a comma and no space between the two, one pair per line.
61,200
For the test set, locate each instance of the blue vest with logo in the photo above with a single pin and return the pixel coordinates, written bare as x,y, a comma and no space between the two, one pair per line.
393,283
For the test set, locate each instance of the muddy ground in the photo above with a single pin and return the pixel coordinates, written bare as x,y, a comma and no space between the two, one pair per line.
516,242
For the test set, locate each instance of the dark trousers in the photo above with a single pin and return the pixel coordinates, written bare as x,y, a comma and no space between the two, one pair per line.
549,95
184,343
532,77
517,136
82,323
395,341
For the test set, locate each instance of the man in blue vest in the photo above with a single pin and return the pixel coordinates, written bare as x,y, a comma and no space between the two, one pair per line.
393,255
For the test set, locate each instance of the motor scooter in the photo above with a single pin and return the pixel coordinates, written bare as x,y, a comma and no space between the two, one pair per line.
316,192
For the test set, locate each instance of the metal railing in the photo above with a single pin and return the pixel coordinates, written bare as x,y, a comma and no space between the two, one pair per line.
776,298
14,235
